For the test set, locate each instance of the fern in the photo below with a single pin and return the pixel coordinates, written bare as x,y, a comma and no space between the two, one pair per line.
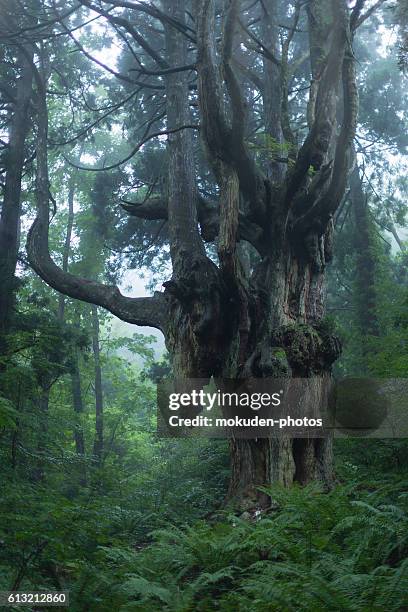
342,551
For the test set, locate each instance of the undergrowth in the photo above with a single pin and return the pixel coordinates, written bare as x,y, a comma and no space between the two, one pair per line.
343,551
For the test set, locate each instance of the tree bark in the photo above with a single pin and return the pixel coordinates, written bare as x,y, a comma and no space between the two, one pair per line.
11,207
290,296
78,410
282,305
99,436
78,406
67,244
272,85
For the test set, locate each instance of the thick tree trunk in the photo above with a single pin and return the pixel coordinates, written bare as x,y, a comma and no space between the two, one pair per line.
282,304
11,207
258,463
264,462
290,303
283,308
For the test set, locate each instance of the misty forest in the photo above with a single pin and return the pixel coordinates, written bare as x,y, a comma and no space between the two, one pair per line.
200,189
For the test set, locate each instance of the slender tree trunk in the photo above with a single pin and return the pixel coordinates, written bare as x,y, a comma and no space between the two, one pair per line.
79,409
11,207
99,437
75,373
43,413
78,416
397,238
77,400
366,267
16,432
272,87
78,406
67,244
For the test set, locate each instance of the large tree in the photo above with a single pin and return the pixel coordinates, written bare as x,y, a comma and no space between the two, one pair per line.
279,165
15,95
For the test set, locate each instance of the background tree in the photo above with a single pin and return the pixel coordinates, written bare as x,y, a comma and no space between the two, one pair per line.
16,92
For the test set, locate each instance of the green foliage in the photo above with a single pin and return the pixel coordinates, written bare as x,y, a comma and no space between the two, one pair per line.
265,147
381,354
8,414
345,550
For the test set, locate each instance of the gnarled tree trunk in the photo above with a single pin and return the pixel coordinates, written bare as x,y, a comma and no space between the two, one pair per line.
226,319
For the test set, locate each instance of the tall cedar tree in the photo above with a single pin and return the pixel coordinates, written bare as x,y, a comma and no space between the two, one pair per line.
228,319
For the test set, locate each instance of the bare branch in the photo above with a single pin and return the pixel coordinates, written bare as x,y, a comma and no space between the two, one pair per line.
252,76
185,240
358,22
356,13
233,87
260,46
18,32
346,136
156,208
284,72
154,11
118,75
153,209
97,121
229,219
165,71
138,38
325,206
135,150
